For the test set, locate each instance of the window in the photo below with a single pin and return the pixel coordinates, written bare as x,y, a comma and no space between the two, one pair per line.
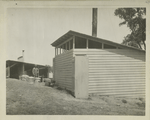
63,46
71,43
67,45
94,44
106,46
80,42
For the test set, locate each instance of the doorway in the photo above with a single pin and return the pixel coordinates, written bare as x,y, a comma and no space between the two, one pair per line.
81,76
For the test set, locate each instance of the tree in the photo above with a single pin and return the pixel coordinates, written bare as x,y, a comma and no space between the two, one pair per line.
135,20
50,68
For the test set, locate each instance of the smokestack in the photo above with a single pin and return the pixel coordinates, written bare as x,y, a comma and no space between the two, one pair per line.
94,22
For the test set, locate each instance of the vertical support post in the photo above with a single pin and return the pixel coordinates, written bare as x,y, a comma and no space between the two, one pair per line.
54,68
8,70
102,45
23,68
60,50
87,43
65,46
47,72
73,42
55,51
69,45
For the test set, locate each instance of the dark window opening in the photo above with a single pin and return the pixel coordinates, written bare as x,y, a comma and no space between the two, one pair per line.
63,46
109,46
80,42
67,45
94,44
71,44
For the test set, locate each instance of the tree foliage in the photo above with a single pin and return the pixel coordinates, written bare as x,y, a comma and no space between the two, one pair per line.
135,20
50,68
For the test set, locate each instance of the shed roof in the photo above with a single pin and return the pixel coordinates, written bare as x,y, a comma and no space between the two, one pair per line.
71,33
12,62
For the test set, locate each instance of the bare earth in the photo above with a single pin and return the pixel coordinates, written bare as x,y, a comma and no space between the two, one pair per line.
37,99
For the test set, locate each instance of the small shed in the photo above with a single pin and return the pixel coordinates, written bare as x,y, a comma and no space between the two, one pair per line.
14,69
87,65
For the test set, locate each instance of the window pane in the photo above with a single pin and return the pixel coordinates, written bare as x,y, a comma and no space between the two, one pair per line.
67,45
71,44
94,44
63,46
106,46
80,42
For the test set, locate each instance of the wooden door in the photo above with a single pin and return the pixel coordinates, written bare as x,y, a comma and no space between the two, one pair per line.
81,76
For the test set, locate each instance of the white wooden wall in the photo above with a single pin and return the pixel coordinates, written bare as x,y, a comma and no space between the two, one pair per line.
63,70
118,72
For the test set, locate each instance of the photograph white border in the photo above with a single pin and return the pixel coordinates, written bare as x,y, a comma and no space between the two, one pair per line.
4,5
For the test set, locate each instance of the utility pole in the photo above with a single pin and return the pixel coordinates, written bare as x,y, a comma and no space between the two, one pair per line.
23,54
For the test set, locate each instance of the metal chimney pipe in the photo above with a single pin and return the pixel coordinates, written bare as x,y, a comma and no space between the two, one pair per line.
94,22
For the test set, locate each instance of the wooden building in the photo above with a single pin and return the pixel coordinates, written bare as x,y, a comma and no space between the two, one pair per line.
14,69
89,65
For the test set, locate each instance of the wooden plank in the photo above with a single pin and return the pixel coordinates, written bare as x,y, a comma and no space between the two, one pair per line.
106,70
111,81
112,60
117,75
63,62
117,91
129,85
105,82
117,65
98,78
63,56
105,54
119,68
87,43
116,72
121,94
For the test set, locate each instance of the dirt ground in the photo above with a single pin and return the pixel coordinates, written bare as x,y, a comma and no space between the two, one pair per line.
37,99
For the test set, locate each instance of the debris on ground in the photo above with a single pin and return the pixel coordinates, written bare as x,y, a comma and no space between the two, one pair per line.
124,101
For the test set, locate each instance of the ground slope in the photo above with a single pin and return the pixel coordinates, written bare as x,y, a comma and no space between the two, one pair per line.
36,99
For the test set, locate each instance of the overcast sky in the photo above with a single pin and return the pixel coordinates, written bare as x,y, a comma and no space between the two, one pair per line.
33,30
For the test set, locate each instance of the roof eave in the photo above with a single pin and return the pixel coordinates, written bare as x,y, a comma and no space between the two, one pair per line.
73,33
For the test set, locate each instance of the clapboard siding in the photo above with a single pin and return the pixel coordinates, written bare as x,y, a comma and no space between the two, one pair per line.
119,72
63,69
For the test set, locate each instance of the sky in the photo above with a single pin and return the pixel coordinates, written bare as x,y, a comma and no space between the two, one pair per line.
34,29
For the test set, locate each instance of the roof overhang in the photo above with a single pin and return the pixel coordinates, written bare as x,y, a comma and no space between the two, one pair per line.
11,62
73,33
